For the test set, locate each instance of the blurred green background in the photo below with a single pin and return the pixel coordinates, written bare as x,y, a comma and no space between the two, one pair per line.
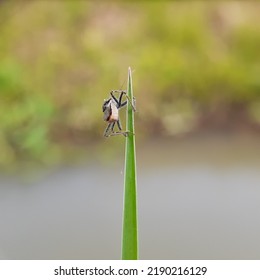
196,65
197,87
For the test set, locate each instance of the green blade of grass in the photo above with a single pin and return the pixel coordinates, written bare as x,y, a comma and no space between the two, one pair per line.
130,229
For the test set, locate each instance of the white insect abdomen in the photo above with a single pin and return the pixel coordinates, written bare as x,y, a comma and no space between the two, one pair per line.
114,113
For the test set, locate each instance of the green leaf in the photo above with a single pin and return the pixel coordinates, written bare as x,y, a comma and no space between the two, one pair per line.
130,228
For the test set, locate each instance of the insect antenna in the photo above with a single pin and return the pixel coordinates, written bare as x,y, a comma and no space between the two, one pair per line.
125,81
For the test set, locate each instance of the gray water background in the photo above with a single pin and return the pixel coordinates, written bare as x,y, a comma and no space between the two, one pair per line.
197,199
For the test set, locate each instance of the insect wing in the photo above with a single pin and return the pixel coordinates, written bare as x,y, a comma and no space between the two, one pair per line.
107,111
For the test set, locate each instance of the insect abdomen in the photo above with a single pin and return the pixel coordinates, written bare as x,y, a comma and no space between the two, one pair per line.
114,114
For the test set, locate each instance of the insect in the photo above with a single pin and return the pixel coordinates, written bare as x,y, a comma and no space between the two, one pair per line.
111,109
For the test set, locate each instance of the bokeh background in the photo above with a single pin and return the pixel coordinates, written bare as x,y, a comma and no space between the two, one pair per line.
197,85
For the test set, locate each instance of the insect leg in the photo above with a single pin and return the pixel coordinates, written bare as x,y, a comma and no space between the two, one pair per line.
125,133
112,126
130,102
119,125
123,104
118,91
120,98
106,132
117,102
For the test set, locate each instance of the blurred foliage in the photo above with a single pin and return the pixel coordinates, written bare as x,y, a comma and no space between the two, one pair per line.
196,64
